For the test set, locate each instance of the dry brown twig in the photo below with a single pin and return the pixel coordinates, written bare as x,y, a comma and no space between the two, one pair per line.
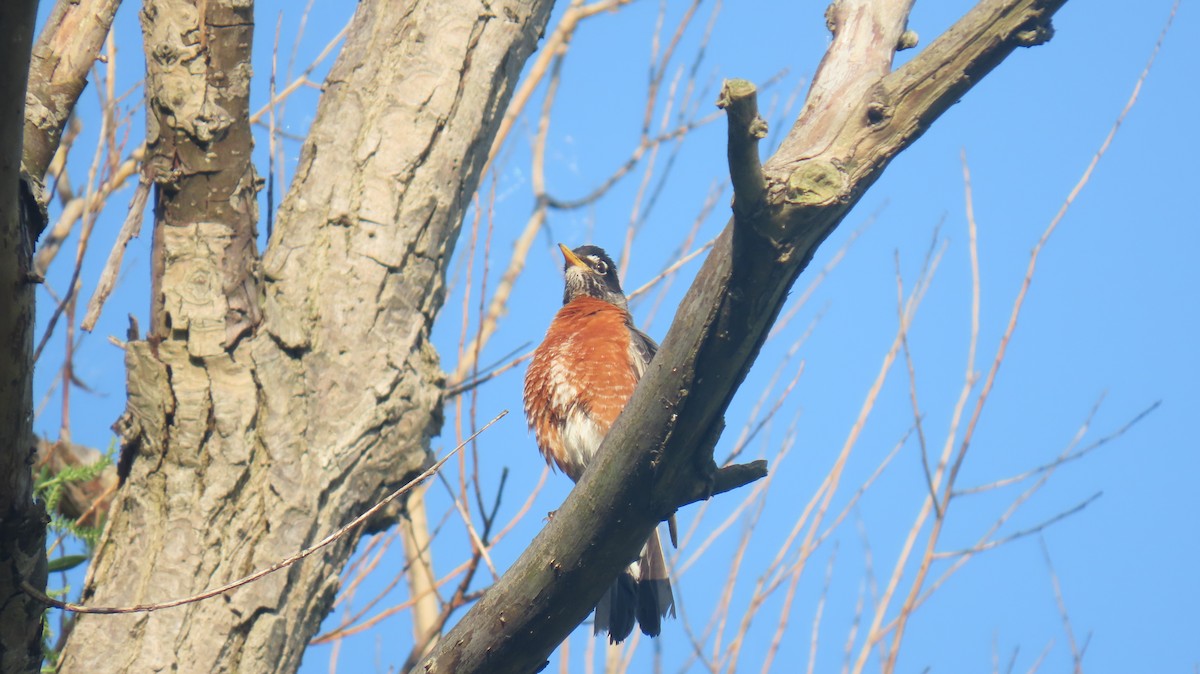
461,595
130,228
752,426
483,290
814,641
757,494
549,64
104,162
357,627
75,207
301,81
1065,458
756,497
946,490
1077,651
986,542
820,501
358,623
912,383
352,623
658,68
667,275
468,361
548,60
106,174
1037,664
824,272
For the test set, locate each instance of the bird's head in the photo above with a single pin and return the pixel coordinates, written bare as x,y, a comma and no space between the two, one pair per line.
590,272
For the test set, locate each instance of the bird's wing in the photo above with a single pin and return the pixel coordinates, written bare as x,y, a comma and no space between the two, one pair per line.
643,348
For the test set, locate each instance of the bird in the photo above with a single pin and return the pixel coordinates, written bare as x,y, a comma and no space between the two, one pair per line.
581,376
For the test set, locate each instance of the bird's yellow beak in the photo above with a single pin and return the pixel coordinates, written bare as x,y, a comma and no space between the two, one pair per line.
572,257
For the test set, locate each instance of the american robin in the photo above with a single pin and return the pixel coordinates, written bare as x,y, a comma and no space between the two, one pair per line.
581,376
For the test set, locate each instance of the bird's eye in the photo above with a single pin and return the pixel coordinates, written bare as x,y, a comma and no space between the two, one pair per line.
601,267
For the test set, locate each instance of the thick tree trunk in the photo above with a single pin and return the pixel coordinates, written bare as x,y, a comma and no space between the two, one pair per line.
252,438
22,522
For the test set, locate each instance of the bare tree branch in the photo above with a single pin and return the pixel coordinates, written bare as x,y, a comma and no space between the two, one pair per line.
858,117
130,228
62,58
739,99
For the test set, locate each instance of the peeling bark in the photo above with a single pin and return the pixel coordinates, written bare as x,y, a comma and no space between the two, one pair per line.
62,59
245,447
198,156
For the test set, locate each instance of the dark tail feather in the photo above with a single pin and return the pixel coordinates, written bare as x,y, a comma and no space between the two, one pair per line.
617,608
654,597
646,597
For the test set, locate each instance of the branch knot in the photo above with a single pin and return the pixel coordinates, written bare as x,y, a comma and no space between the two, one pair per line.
1034,32
815,182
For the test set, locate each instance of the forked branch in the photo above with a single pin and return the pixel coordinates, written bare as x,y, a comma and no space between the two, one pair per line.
859,115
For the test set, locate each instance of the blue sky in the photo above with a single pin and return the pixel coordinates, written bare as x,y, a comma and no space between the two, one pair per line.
1112,315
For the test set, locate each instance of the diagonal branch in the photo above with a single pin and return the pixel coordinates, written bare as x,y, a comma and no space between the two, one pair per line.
62,58
859,115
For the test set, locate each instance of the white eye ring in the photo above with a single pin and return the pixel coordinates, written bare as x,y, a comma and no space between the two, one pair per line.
601,267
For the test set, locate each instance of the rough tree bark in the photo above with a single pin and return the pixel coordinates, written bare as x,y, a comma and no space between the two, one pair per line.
859,114
62,58
267,408
22,522
38,91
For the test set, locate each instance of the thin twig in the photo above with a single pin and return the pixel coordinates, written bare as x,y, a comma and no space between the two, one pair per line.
912,389
303,80
706,209
1021,477
283,564
821,275
1035,529
131,228
989,381
1076,652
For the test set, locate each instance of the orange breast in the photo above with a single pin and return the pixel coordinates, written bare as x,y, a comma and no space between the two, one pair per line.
579,381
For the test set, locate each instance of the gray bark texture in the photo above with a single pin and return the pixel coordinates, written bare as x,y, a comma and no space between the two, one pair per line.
62,58
274,401
858,116
22,522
